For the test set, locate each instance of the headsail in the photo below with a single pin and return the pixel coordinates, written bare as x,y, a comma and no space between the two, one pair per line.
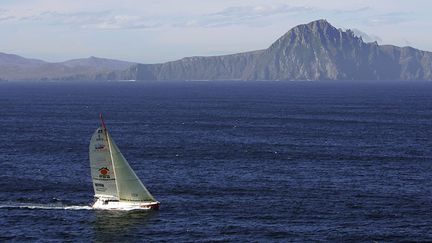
130,187
102,171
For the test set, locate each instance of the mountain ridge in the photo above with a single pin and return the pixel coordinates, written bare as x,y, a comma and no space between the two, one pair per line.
15,67
312,51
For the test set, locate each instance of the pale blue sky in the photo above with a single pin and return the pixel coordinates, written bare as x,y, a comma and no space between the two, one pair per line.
157,31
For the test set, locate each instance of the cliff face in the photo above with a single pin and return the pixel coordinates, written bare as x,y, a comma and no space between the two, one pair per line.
314,51
228,67
318,51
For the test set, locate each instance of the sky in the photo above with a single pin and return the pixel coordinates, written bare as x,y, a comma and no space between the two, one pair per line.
157,31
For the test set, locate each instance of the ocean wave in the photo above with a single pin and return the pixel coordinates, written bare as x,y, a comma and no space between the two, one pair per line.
44,206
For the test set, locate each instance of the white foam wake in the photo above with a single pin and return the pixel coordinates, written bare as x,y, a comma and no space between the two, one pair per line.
44,206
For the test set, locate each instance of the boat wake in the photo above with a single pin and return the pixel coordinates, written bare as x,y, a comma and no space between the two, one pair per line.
44,206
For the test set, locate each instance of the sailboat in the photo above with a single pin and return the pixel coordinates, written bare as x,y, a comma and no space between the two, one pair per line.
116,186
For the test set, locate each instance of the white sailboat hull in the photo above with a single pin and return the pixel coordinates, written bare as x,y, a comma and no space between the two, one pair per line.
101,204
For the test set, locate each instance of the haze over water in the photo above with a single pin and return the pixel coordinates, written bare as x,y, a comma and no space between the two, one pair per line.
229,161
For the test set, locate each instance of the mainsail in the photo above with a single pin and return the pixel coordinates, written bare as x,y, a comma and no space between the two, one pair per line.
102,171
112,175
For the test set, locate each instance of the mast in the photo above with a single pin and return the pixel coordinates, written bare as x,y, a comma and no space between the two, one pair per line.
102,121
110,152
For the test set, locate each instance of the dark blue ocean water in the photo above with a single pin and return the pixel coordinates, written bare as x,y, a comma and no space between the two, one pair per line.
229,161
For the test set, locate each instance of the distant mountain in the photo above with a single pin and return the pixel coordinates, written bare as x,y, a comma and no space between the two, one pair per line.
15,60
13,67
229,67
319,51
101,64
313,51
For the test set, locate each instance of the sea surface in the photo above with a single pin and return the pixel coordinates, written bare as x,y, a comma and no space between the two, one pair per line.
229,161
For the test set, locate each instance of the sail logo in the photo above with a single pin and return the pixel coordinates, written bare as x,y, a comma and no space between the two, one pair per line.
99,146
99,138
104,173
100,187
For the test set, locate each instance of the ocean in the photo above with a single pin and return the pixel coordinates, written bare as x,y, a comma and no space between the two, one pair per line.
229,161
